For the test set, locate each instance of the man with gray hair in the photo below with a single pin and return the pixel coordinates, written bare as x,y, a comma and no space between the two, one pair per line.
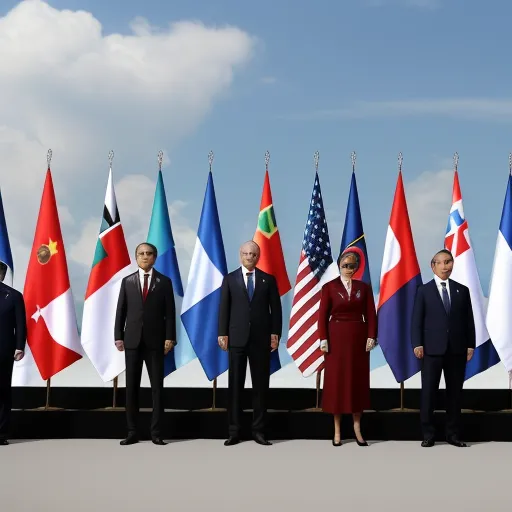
13,335
250,324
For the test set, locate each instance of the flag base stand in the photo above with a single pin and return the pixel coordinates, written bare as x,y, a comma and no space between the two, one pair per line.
47,406
213,408
402,408
114,407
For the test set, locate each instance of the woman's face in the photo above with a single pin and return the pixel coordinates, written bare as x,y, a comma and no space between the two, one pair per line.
348,266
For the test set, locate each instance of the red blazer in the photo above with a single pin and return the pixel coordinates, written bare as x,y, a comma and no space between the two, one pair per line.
335,304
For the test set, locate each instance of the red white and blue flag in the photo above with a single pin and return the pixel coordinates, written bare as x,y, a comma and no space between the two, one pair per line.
400,278
458,242
316,267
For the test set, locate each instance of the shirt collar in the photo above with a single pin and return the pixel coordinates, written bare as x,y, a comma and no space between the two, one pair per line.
245,270
142,272
438,280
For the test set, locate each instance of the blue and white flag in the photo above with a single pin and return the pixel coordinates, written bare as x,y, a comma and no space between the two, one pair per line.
499,307
200,311
5,247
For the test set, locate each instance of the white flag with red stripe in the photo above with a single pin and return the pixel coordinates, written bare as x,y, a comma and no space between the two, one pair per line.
316,267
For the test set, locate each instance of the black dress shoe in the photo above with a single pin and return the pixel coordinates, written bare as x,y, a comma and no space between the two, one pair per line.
4,442
456,442
131,439
159,441
261,440
232,440
334,443
427,443
359,443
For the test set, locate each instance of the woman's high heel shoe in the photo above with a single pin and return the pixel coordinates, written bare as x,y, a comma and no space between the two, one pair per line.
364,443
334,443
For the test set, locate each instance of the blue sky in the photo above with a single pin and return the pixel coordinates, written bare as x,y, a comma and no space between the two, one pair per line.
424,77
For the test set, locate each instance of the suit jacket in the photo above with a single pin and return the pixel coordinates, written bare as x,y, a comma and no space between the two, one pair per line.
154,320
241,319
13,322
435,330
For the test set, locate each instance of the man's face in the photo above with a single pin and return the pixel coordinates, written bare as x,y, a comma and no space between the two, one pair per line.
249,255
442,265
145,257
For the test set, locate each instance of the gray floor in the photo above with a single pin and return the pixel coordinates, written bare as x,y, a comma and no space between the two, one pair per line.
203,475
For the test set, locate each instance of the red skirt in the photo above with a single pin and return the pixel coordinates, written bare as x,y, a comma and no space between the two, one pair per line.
347,369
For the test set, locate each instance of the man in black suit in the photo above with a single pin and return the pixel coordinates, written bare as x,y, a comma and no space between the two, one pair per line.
13,334
145,328
443,335
250,323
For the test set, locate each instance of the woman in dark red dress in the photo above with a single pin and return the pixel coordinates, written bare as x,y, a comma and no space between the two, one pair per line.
347,326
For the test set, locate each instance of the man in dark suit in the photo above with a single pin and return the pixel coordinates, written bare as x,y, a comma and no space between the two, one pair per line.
250,324
145,328
443,335
13,334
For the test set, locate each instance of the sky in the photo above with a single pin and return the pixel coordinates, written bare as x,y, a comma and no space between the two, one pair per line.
427,78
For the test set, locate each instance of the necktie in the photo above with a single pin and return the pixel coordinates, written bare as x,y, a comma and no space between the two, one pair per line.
250,285
446,299
145,289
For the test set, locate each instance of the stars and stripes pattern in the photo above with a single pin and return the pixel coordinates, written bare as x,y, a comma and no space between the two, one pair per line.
316,267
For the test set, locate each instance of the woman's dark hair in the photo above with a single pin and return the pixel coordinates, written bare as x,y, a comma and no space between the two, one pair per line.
344,255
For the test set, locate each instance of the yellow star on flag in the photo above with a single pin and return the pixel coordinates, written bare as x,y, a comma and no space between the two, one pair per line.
53,247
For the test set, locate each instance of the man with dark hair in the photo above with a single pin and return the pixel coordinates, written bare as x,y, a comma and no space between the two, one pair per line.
443,335
145,329
13,335
250,323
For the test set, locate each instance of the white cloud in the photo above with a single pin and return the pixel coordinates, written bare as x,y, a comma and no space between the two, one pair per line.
81,92
268,80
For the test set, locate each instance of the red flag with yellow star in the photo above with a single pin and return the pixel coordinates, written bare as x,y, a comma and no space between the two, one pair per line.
52,331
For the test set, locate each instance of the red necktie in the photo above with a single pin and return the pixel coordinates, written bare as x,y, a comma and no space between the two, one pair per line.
145,289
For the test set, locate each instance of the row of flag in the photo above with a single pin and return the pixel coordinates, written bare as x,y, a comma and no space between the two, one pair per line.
55,342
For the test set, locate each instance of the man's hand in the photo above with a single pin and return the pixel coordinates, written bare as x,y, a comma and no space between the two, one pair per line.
274,342
18,355
120,345
470,353
223,342
169,344
418,352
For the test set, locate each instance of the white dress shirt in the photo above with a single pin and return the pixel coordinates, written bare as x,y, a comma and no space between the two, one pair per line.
438,281
244,275
141,278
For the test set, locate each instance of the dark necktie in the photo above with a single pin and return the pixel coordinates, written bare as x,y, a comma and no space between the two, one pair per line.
446,299
250,285
145,289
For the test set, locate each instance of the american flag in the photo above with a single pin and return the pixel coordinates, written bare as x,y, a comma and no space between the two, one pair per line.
316,267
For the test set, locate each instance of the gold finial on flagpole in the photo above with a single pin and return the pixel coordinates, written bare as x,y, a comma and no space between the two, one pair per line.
316,158
49,157
456,161
160,159
353,159
267,160
210,159
400,161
